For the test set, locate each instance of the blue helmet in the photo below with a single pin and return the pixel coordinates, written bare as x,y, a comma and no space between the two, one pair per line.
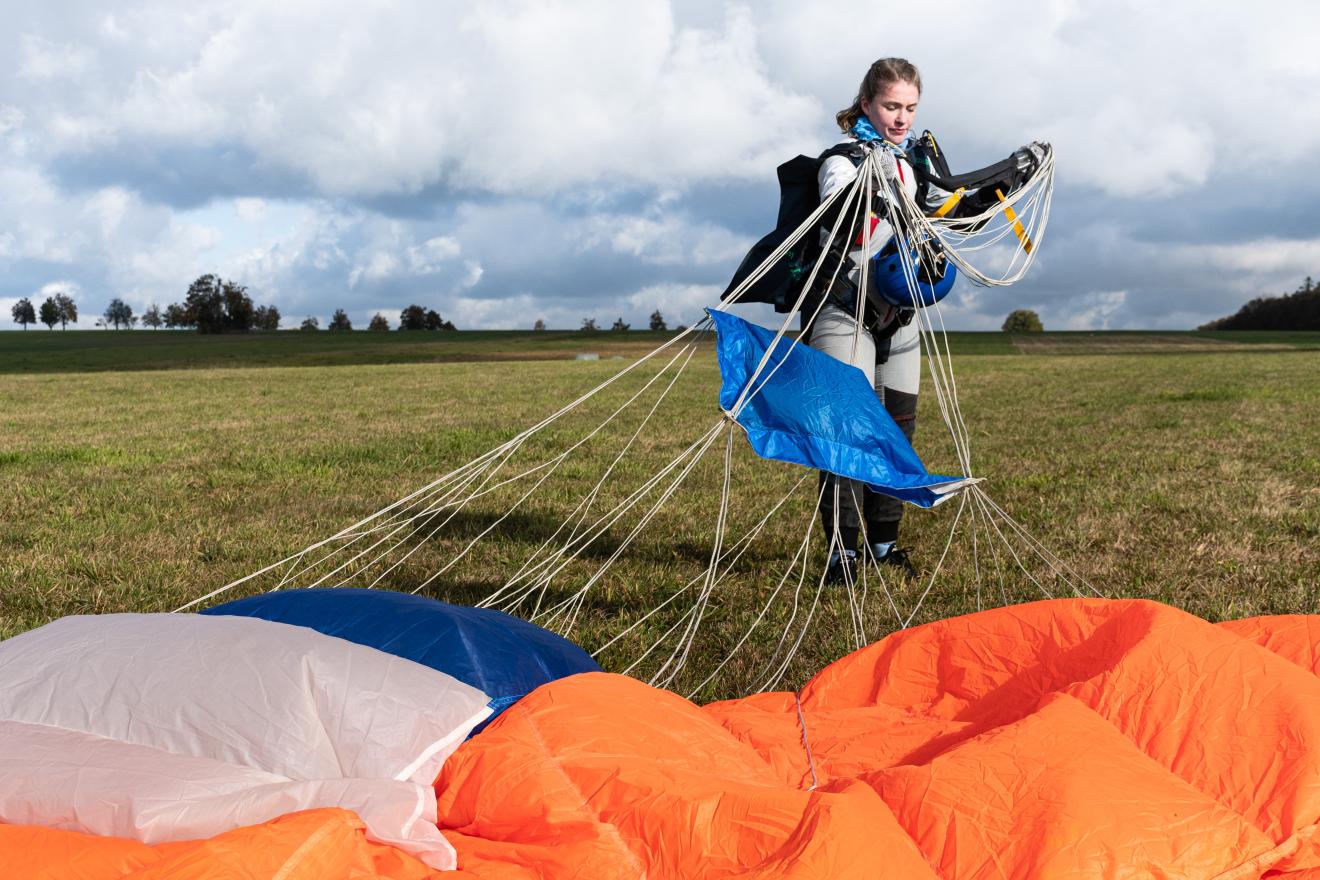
934,277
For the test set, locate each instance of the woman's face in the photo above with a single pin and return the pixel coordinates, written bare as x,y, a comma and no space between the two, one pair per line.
892,110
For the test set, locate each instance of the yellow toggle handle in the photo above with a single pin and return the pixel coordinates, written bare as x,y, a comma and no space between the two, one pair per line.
951,201
1018,229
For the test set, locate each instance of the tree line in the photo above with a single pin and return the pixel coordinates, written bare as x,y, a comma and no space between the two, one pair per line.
212,305
1299,310
59,308
620,326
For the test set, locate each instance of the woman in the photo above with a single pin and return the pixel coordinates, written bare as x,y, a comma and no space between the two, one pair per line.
887,102
886,344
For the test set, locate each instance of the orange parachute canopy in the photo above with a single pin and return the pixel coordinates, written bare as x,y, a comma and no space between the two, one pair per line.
1078,738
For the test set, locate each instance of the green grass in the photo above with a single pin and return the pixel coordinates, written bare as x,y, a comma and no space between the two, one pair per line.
1189,476
81,351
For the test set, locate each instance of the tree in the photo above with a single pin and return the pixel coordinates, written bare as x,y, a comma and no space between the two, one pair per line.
433,320
379,322
310,323
68,310
50,313
205,305
412,318
619,326
1023,321
658,321
589,325
118,313
340,321
539,325
152,318
239,313
214,305
176,316
266,318
23,312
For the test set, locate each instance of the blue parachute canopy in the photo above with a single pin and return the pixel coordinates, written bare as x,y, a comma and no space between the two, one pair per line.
811,409
501,655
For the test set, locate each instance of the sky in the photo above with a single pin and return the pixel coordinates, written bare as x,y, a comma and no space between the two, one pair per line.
503,162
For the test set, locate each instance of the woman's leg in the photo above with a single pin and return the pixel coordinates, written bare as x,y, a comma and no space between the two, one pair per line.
897,378
842,500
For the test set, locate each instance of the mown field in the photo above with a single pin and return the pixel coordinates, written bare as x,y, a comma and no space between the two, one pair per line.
139,473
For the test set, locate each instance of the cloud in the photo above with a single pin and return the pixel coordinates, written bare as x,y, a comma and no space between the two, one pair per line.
41,59
499,97
575,161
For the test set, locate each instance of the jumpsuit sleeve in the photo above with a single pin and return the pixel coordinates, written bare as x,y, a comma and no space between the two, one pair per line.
835,173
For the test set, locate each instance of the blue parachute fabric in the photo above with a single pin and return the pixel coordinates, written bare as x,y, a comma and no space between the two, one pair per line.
502,655
814,410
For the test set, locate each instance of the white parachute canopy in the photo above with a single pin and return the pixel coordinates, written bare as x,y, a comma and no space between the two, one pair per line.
165,727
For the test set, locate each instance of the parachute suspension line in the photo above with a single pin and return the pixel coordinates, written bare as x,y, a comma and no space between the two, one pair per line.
994,550
1030,205
782,670
564,456
578,515
1009,547
962,505
293,559
974,529
688,460
547,468
1061,568
406,502
382,543
769,602
555,462
678,658
732,555
453,506
801,561
421,520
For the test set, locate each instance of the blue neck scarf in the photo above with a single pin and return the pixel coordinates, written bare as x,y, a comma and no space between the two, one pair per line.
863,130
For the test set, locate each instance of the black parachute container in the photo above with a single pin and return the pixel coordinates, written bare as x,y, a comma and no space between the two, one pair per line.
799,196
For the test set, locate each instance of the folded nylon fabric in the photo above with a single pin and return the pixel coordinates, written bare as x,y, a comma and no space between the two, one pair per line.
1079,738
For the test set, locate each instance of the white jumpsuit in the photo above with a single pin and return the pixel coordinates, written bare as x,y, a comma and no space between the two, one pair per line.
894,372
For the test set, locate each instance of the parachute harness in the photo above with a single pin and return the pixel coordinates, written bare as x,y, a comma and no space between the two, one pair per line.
553,584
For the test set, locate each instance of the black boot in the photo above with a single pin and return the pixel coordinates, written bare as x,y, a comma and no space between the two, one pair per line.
896,557
843,570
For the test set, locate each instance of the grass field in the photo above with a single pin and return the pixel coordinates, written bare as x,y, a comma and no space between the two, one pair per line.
82,351
145,469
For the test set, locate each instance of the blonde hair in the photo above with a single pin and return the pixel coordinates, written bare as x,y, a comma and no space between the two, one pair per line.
880,76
